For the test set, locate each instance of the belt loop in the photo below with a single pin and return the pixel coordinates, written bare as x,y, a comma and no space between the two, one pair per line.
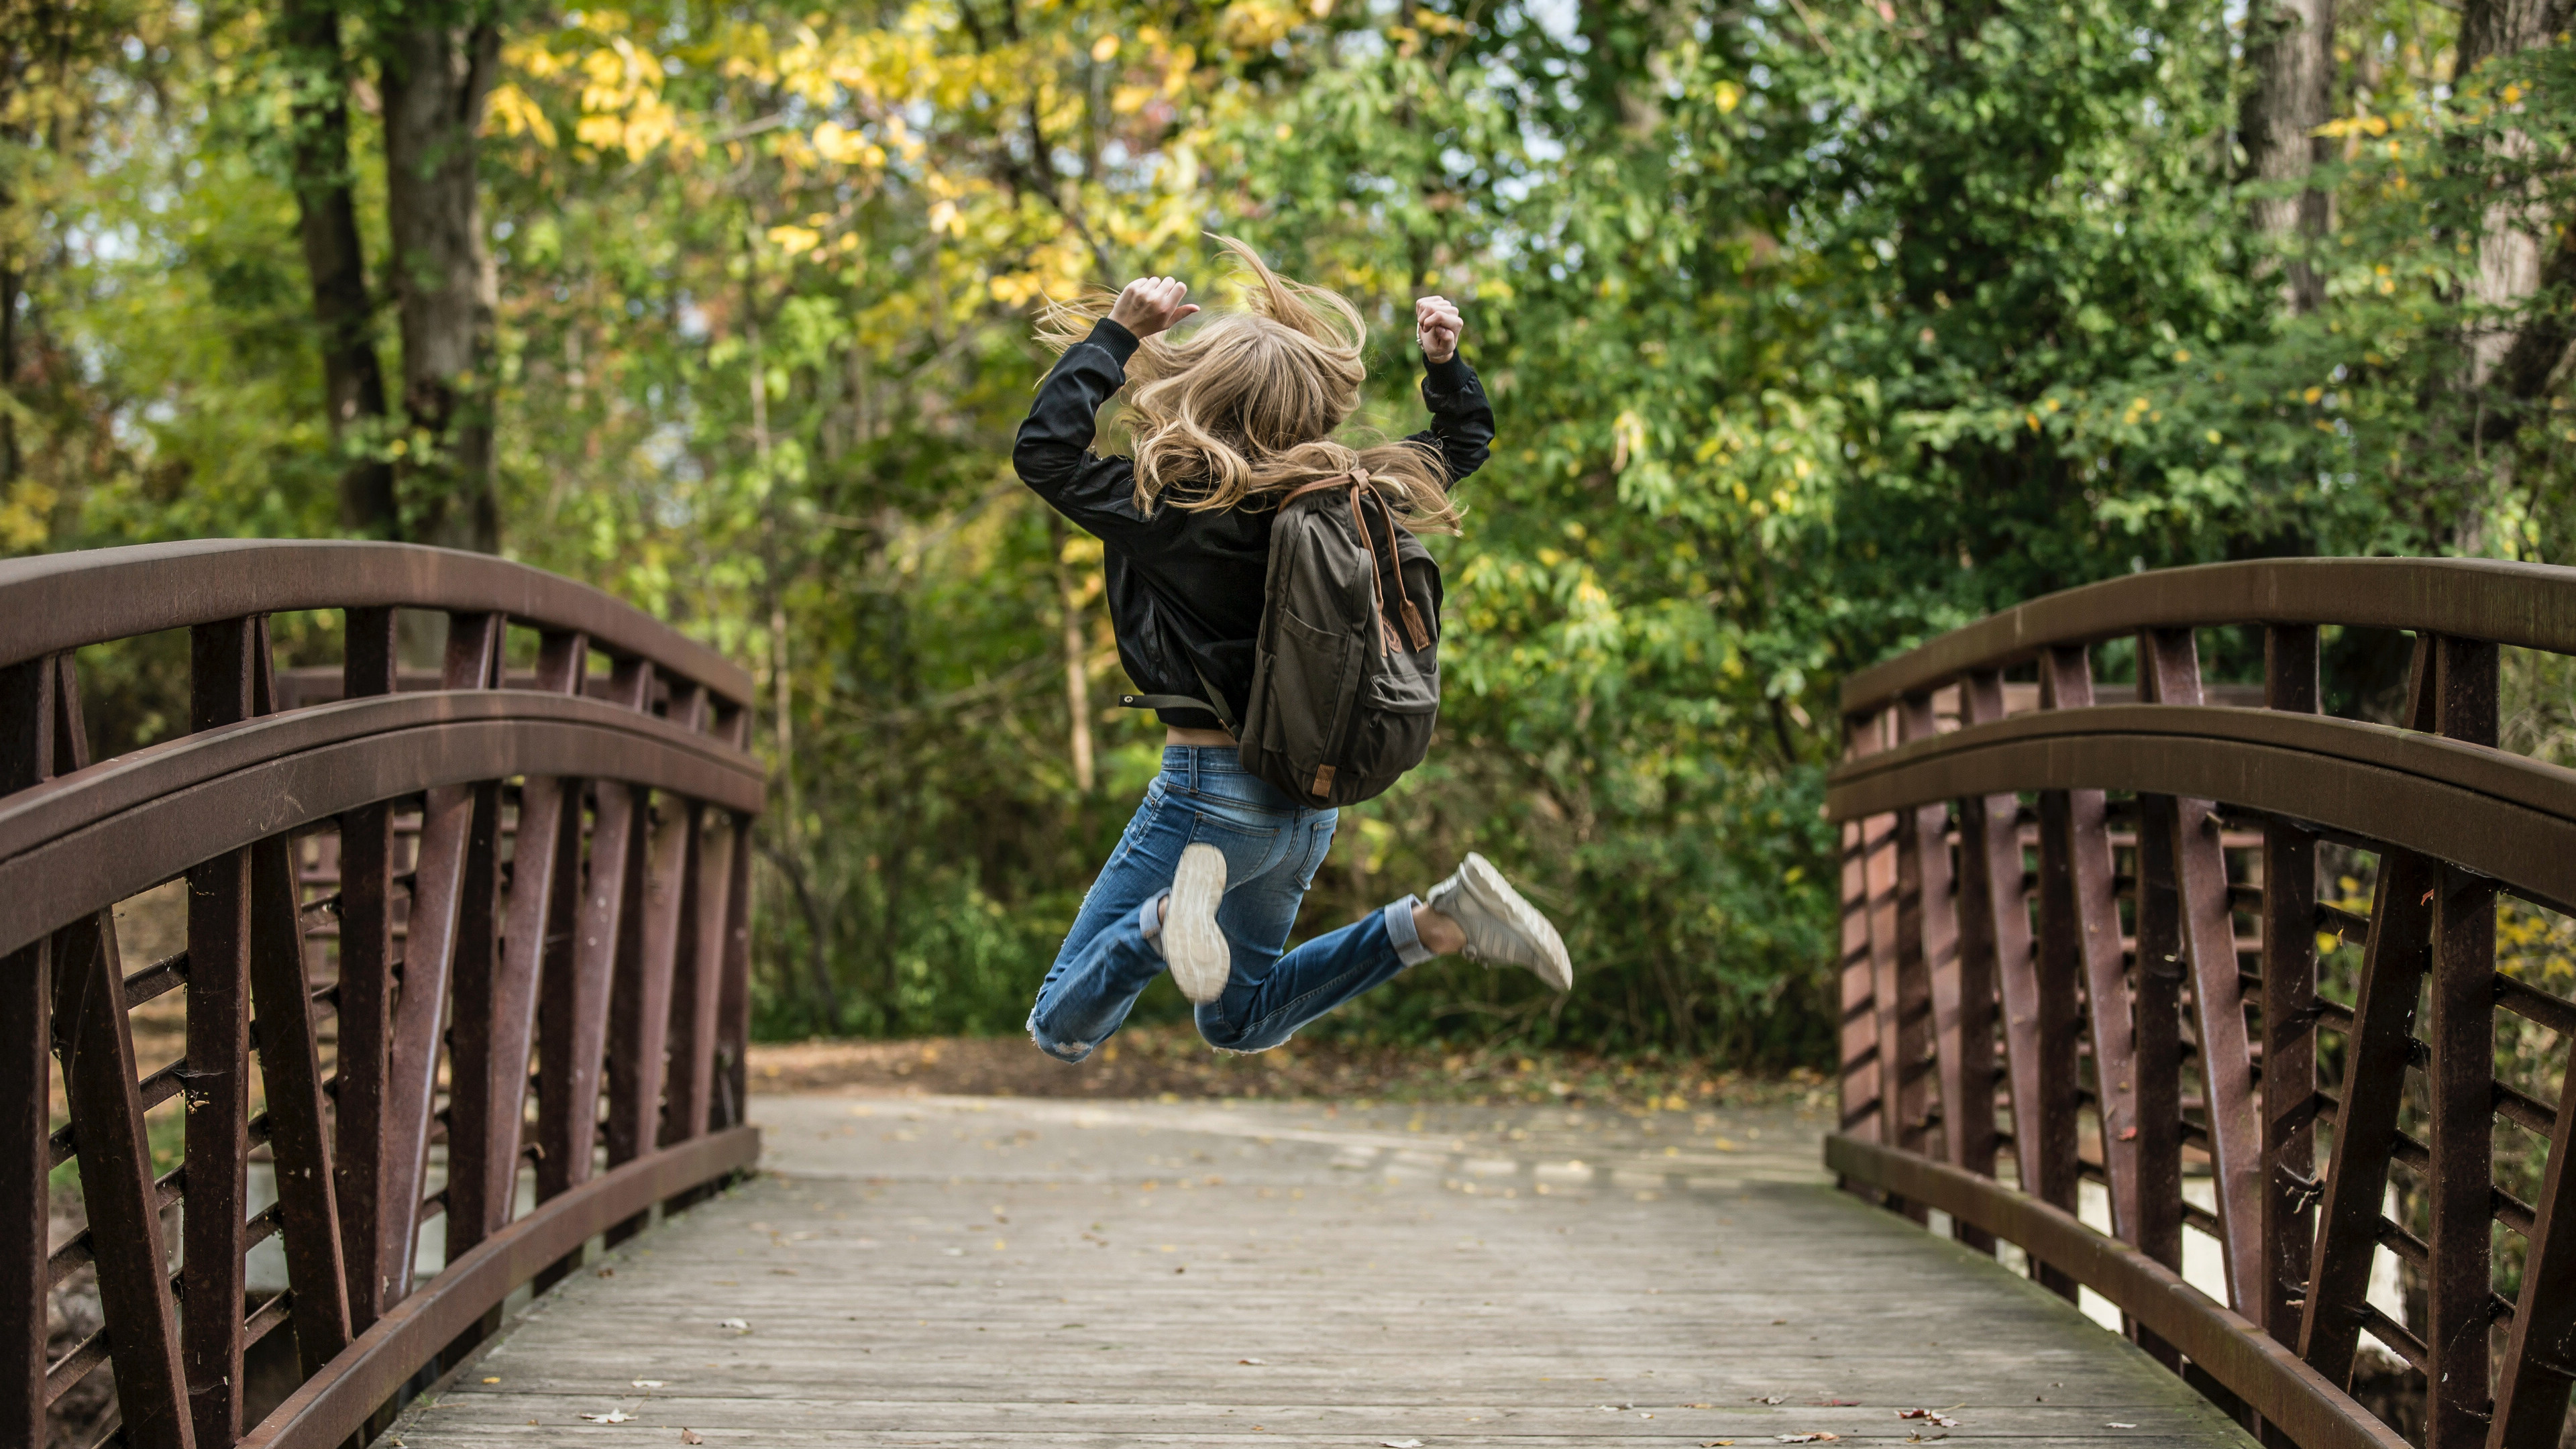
1191,754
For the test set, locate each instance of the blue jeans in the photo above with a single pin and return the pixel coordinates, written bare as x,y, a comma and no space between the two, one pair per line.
1272,847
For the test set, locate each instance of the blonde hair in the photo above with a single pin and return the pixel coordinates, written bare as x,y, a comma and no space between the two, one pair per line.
1238,407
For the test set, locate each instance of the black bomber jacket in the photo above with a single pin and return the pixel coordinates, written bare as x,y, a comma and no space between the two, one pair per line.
1185,587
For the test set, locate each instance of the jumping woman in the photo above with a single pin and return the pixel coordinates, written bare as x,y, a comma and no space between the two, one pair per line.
1228,418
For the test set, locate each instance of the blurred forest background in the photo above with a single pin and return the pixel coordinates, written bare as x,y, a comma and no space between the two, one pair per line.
1815,327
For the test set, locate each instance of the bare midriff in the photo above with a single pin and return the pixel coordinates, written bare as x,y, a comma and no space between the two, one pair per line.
1197,739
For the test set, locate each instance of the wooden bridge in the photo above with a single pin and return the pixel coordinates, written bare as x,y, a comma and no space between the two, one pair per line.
419,1134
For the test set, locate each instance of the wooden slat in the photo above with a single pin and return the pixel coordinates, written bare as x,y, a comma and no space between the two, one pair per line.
1861,1077
1927,942
451,901
217,1142
96,1044
2078,924
366,849
1992,910
484,1118
640,1003
1879,876
2287,908
573,1022
2365,1135
733,989
2535,1372
26,1086
2460,1101
290,1064
694,985
2226,1062
1995,929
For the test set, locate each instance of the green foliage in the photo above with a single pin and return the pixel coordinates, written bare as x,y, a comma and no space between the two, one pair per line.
1813,329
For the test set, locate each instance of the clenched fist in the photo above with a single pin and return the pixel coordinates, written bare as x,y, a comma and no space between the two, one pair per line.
1150,304
1437,326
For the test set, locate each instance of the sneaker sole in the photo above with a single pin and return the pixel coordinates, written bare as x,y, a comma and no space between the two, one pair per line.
1558,970
1192,945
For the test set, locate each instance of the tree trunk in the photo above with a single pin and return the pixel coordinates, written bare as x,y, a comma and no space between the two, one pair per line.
1077,670
353,382
2509,253
2291,51
435,79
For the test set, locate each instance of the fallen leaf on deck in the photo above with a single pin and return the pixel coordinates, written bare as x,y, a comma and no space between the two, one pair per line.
1765,1398
1935,1415
1698,1406
733,1323
646,1383
1247,1360
613,1416
1715,1443
1835,1403
491,1381
1401,1443
1817,1438
2119,1426
690,1436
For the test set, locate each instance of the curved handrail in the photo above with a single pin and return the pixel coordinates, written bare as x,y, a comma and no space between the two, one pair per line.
2503,815
2169,941
53,602
128,824
2528,605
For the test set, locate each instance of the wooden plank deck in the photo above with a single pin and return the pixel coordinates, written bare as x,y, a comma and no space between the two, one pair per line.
966,1272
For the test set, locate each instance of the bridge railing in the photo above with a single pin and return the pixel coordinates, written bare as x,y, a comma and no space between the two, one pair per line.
467,928
2081,945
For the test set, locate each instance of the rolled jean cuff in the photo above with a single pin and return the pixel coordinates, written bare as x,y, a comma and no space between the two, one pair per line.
1399,930
1149,921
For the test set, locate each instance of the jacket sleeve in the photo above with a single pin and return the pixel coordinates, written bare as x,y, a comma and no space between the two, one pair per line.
1462,421
1053,455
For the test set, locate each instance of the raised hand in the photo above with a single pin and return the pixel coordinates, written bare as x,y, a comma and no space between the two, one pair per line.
1437,326
1150,304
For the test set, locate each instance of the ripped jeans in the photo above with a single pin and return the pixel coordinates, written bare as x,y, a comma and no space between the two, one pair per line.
1272,848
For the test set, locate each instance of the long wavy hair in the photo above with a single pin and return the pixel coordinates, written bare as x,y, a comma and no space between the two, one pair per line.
1240,408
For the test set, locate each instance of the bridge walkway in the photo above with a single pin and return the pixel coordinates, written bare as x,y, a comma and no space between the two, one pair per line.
972,1272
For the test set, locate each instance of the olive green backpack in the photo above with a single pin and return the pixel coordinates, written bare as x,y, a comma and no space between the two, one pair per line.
1346,674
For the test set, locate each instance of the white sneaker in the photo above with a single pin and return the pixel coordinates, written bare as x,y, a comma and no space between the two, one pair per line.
1192,945
1502,929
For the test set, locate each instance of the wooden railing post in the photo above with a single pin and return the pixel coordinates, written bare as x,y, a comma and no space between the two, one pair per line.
217,1091
366,997
26,1086
2079,931
1927,943
290,1065
2289,934
1863,1075
1995,961
2460,1088
1963,993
